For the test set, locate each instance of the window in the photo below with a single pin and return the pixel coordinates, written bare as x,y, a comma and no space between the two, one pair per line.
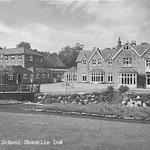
127,47
94,62
43,75
10,77
25,76
12,58
110,62
71,76
84,78
110,77
99,62
1,57
19,57
147,62
127,78
37,76
6,58
30,58
48,75
97,77
41,60
31,76
127,62
84,61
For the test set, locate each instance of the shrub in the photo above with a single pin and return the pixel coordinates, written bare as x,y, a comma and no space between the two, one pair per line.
141,80
123,89
110,88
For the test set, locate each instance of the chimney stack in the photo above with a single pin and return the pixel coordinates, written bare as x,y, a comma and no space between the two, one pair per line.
133,43
119,42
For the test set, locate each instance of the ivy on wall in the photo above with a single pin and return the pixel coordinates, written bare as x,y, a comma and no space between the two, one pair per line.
141,81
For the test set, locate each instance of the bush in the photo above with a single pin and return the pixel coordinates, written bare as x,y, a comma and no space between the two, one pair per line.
141,81
123,89
110,88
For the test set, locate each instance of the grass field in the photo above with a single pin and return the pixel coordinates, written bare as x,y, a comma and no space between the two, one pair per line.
73,88
76,88
76,133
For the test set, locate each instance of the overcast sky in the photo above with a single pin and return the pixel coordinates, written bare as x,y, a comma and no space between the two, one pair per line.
49,25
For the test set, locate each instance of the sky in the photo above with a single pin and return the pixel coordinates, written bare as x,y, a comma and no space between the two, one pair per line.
49,25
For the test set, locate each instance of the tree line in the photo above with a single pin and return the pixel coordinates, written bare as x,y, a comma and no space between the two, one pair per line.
67,54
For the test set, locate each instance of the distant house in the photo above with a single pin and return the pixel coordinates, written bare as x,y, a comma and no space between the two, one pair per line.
43,67
11,75
21,57
121,65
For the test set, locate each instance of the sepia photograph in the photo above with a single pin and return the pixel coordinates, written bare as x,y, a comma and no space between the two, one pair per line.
74,75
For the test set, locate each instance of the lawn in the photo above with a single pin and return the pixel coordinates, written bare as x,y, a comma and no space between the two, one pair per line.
72,88
76,133
76,88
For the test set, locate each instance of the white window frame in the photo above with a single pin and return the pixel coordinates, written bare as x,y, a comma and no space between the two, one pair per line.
41,60
84,78
43,75
30,58
37,76
127,62
93,61
12,58
110,62
84,61
147,62
110,78
19,57
97,77
25,76
127,47
127,78
10,77
1,57
6,58
99,62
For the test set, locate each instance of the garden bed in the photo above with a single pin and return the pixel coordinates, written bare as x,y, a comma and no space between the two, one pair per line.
109,103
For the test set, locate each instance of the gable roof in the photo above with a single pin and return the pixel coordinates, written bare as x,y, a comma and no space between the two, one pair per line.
142,48
86,53
22,50
94,51
139,49
123,47
109,52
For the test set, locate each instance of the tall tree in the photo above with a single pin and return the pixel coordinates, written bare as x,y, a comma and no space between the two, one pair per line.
68,54
24,44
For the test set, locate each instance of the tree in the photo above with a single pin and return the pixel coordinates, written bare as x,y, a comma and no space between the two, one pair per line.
68,54
24,44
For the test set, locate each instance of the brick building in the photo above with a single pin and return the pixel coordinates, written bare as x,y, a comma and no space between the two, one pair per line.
39,64
121,65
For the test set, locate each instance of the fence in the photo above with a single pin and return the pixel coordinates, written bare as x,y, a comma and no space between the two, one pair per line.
20,88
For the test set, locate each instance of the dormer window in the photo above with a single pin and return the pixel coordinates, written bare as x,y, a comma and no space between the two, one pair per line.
30,58
84,61
110,62
94,62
